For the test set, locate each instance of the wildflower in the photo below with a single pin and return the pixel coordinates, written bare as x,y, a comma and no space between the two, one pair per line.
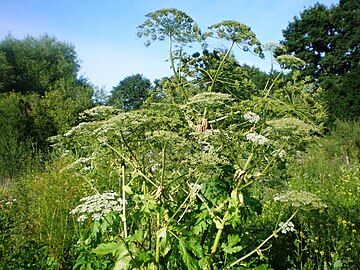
81,218
251,117
195,187
287,227
282,153
97,206
278,198
256,138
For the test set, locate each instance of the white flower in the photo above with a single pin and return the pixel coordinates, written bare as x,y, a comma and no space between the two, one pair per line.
251,117
96,216
195,187
287,227
81,218
280,153
97,206
278,198
256,138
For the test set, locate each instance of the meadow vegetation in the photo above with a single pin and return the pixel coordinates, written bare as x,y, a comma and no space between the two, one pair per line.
220,166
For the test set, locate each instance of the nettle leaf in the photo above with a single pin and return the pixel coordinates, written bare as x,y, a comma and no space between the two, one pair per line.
231,247
189,261
107,248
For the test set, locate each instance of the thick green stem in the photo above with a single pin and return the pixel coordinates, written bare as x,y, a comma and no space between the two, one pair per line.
124,201
218,235
248,161
171,58
157,247
220,67
271,86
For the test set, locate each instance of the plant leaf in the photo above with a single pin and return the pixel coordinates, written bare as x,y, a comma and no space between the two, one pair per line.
107,248
189,261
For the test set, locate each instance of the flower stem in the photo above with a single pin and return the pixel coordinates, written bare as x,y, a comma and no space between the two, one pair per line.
211,88
124,200
274,234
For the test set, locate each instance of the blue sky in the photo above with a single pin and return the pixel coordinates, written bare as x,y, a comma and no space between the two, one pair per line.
104,31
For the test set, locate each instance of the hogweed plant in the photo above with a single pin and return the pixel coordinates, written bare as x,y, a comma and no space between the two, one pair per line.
183,190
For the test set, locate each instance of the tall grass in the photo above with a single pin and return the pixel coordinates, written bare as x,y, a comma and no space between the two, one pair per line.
330,169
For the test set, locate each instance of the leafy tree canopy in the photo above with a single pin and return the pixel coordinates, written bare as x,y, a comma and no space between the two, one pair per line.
327,39
130,93
33,65
41,96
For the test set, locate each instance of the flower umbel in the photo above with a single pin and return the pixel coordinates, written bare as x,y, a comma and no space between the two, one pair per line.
287,227
256,138
251,117
97,206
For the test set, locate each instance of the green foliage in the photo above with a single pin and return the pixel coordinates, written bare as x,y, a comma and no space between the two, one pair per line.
231,78
41,96
330,170
36,64
258,77
327,40
208,174
177,171
38,233
130,93
15,148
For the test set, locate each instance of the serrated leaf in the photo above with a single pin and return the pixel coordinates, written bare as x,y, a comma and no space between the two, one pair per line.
231,247
107,248
233,239
190,262
231,250
338,264
195,247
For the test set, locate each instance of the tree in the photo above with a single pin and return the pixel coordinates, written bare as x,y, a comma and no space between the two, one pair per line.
37,63
41,96
130,93
14,146
327,39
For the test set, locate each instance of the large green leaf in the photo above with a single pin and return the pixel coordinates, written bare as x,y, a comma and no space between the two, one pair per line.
109,248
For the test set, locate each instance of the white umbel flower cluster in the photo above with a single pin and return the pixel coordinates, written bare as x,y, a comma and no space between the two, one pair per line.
256,138
287,227
194,189
251,117
97,206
